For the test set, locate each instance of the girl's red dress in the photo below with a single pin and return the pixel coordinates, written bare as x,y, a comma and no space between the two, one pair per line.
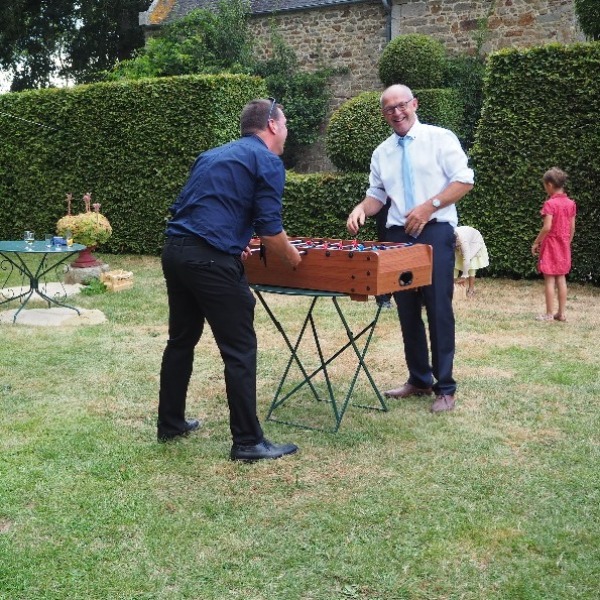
555,249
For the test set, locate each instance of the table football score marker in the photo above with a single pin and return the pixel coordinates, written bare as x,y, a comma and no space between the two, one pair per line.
347,266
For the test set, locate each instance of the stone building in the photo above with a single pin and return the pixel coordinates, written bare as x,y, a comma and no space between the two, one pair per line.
353,33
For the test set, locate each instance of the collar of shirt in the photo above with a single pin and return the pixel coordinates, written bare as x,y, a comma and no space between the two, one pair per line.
411,134
437,159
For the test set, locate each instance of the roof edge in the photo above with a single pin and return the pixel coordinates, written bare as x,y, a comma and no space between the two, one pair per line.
307,6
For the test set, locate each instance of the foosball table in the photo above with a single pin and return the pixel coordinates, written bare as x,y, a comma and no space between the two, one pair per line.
357,269
334,269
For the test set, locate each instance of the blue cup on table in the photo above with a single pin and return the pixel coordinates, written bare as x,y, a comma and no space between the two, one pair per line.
59,242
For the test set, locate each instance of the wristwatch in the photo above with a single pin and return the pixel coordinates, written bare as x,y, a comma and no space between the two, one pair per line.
436,203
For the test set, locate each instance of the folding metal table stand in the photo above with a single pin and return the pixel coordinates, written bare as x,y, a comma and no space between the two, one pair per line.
338,407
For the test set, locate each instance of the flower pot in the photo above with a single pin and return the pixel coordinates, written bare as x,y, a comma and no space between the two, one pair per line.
86,259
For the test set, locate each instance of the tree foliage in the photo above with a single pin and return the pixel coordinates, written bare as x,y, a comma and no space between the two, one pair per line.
203,41
41,40
305,96
588,14
220,40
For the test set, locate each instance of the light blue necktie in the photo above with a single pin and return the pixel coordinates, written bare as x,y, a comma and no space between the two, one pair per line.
407,175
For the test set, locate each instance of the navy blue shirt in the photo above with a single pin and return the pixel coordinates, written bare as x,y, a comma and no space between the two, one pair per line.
233,191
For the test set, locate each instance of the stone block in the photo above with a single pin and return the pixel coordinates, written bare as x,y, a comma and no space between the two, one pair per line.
85,274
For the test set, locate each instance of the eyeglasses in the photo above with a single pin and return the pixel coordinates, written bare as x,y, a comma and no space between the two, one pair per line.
390,110
273,104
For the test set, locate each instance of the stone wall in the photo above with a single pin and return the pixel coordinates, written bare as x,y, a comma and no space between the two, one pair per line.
352,36
498,23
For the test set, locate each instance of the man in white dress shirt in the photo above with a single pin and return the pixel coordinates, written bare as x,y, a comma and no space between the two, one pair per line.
424,213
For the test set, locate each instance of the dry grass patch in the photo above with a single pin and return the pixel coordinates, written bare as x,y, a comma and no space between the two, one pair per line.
496,500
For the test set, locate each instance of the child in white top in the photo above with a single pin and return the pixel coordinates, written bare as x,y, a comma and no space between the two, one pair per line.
470,255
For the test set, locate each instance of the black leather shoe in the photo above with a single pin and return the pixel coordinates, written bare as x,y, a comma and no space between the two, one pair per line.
189,426
263,450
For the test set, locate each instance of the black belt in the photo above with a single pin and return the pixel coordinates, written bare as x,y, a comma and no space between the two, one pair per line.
187,240
430,222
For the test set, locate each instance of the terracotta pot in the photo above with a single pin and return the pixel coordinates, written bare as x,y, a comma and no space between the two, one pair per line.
86,259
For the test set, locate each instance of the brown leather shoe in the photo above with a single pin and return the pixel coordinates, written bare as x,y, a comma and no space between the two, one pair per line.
443,403
407,390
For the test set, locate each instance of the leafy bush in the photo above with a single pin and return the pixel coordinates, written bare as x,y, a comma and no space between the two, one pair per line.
588,14
464,74
415,60
203,41
358,126
441,107
90,229
520,137
304,95
218,41
355,129
318,205
129,143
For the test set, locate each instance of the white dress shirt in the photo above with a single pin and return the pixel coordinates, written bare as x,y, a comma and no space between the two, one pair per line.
437,159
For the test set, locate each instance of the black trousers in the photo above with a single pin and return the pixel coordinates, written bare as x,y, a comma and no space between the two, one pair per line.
205,284
437,299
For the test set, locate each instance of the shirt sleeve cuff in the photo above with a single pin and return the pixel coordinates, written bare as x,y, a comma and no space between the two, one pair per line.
378,194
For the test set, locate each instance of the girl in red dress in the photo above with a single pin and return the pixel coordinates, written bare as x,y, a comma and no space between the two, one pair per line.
553,242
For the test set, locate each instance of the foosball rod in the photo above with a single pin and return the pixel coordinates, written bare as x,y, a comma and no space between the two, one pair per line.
253,250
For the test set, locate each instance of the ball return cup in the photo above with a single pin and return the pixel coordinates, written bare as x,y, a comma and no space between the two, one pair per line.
332,269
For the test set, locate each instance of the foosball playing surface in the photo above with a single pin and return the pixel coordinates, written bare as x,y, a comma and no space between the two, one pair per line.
359,269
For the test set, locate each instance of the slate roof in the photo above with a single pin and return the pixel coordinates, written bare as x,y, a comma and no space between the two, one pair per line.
162,11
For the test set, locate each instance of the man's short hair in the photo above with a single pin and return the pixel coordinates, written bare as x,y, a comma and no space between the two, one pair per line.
257,113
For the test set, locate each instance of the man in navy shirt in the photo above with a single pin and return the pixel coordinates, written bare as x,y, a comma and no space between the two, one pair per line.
233,191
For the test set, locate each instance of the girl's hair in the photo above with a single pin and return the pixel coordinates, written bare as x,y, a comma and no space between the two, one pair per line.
556,177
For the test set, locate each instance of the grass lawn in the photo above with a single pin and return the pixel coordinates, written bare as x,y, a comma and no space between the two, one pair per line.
498,500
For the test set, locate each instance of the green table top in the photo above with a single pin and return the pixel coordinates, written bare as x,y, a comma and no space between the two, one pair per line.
38,247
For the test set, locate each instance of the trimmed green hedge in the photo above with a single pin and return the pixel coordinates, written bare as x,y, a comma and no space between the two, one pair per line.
318,205
442,107
415,60
130,144
355,129
358,126
540,110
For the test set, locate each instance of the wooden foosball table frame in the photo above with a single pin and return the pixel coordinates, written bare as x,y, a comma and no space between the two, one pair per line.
333,269
347,266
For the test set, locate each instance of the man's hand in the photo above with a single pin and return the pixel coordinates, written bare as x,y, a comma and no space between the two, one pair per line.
246,253
292,256
367,208
280,246
356,219
417,218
